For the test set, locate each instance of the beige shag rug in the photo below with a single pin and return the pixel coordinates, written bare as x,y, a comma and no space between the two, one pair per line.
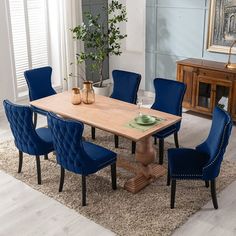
145,213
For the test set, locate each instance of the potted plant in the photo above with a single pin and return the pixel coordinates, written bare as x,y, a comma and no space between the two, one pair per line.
101,40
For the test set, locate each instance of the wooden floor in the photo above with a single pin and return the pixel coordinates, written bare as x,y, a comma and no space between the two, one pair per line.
45,216
210,222
25,211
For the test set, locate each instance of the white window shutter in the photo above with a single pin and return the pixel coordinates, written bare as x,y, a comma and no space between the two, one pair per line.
37,15
19,39
29,37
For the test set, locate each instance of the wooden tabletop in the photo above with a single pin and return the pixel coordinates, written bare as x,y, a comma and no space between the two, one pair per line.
106,113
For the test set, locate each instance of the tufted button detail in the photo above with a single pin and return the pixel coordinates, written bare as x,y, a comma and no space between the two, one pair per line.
26,138
74,154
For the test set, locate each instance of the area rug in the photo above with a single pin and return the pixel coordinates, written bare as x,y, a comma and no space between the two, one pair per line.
145,213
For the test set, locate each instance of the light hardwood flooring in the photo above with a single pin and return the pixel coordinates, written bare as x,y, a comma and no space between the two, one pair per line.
212,222
45,216
27,212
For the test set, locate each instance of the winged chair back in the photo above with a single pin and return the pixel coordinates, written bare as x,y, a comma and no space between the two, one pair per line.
26,138
39,82
169,96
216,142
68,144
126,85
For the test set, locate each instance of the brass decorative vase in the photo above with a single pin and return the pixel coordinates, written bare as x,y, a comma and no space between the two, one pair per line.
88,96
75,96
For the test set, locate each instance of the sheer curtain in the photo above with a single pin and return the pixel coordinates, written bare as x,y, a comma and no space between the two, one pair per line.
70,16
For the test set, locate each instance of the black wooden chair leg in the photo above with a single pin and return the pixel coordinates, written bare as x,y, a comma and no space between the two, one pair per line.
155,140
113,176
46,157
20,161
116,141
93,132
62,179
176,140
161,151
213,194
38,169
173,190
133,147
207,184
35,117
168,177
83,190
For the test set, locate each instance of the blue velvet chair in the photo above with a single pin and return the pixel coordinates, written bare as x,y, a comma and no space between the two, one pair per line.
40,86
204,161
28,140
76,155
169,98
125,88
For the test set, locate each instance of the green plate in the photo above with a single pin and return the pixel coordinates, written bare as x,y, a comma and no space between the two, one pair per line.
151,120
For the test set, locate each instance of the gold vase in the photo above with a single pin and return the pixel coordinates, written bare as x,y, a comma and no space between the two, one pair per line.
75,96
88,96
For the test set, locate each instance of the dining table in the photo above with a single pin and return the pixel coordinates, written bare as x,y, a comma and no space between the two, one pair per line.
118,117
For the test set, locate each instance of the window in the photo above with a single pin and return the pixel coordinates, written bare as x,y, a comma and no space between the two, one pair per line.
30,38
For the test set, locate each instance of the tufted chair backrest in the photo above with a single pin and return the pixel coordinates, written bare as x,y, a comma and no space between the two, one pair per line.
68,144
169,96
126,85
216,142
26,138
39,82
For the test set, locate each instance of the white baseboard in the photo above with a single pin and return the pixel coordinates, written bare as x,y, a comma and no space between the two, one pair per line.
185,110
145,93
149,94
1,112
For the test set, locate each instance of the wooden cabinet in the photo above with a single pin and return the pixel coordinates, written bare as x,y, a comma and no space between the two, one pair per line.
209,84
233,108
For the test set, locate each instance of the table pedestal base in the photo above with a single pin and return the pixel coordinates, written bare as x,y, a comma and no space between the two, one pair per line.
138,182
146,171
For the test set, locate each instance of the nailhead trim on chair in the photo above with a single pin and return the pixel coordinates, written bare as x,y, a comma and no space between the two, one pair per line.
220,146
185,175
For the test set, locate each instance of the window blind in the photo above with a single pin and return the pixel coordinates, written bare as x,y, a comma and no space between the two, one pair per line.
30,37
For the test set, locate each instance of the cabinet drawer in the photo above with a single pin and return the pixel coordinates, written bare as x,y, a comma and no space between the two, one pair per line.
216,74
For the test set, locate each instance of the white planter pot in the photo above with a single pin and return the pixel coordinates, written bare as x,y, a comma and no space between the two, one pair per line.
105,90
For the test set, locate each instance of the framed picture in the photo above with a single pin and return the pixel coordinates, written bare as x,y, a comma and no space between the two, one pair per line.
222,26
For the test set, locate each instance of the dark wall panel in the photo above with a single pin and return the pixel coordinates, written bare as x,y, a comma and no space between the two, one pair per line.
96,7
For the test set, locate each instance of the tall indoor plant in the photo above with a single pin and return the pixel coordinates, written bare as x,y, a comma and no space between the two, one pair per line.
101,40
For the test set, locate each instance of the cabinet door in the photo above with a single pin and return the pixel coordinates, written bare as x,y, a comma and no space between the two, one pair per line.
223,94
186,75
204,94
213,92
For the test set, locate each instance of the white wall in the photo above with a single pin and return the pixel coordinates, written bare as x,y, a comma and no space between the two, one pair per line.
176,30
133,48
6,76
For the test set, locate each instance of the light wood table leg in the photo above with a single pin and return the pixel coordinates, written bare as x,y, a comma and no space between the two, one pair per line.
147,171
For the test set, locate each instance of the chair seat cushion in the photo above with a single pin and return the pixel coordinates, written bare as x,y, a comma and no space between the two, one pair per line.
186,163
44,134
166,132
101,156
